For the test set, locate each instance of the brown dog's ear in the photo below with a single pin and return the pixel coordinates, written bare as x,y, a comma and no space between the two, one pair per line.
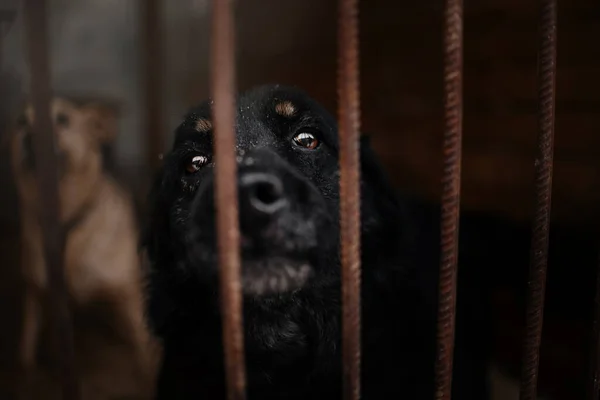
103,119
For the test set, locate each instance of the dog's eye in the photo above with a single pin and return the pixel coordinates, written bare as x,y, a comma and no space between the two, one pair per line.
195,163
306,140
62,119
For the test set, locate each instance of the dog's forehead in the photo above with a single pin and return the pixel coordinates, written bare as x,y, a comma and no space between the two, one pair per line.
261,114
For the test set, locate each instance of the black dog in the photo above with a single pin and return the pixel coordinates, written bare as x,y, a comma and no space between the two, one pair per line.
289,208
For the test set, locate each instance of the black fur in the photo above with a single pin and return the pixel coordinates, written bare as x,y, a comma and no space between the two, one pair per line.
292,338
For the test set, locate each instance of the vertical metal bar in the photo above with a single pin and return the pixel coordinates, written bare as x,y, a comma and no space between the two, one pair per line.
452,150
543,193
349,127
44,147
152,62
226,196
594,385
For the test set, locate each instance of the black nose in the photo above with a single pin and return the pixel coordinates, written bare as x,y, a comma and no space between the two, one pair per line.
263,192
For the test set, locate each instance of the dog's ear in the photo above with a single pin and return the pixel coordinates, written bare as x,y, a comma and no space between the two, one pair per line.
103,119
156,223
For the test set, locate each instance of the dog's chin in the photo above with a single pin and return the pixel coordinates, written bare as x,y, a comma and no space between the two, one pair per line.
262,274
274,275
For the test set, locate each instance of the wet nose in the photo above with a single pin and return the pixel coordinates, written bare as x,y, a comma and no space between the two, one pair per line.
262,192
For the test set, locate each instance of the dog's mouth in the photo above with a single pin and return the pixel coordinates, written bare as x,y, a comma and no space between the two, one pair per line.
273,276
273,261
261,274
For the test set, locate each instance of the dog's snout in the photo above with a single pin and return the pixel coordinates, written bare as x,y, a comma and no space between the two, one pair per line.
263,192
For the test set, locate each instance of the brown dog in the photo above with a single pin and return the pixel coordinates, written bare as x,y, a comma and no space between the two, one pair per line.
115,355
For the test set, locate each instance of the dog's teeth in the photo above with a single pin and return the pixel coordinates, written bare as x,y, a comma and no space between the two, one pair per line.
273,282
277,278
290,272
304,272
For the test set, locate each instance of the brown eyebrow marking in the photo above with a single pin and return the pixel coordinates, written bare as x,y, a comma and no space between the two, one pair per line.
285,109
203,125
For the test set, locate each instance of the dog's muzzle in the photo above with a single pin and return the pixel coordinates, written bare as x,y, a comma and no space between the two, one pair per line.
261,198
279,215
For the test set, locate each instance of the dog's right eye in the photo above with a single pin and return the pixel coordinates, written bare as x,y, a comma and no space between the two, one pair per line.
62,119
306,140
195,163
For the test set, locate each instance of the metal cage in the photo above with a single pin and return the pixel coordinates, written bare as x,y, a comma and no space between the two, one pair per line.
222,89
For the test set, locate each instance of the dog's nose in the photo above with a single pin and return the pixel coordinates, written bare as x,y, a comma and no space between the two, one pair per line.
263,192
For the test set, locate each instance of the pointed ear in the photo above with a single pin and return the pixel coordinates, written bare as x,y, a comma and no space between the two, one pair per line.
103,120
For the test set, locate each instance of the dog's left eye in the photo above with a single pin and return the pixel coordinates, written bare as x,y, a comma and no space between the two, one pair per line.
62,119
306,140
195,163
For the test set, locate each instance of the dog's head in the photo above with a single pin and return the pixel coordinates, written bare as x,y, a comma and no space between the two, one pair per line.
288,188
81,129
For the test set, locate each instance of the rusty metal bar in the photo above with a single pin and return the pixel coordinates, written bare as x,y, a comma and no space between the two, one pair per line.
594,385
226,196
152,63
452,151
44,147
543,194
349,127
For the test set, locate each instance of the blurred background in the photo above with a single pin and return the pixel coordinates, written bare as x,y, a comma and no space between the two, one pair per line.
97,50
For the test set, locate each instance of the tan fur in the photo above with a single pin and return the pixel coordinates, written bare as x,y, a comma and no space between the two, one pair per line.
102,266
203,125
285,109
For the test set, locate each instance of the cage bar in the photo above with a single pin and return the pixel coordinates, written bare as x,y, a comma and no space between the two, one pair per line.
349,127
452,154
543,194
44,148
226,196
152,64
